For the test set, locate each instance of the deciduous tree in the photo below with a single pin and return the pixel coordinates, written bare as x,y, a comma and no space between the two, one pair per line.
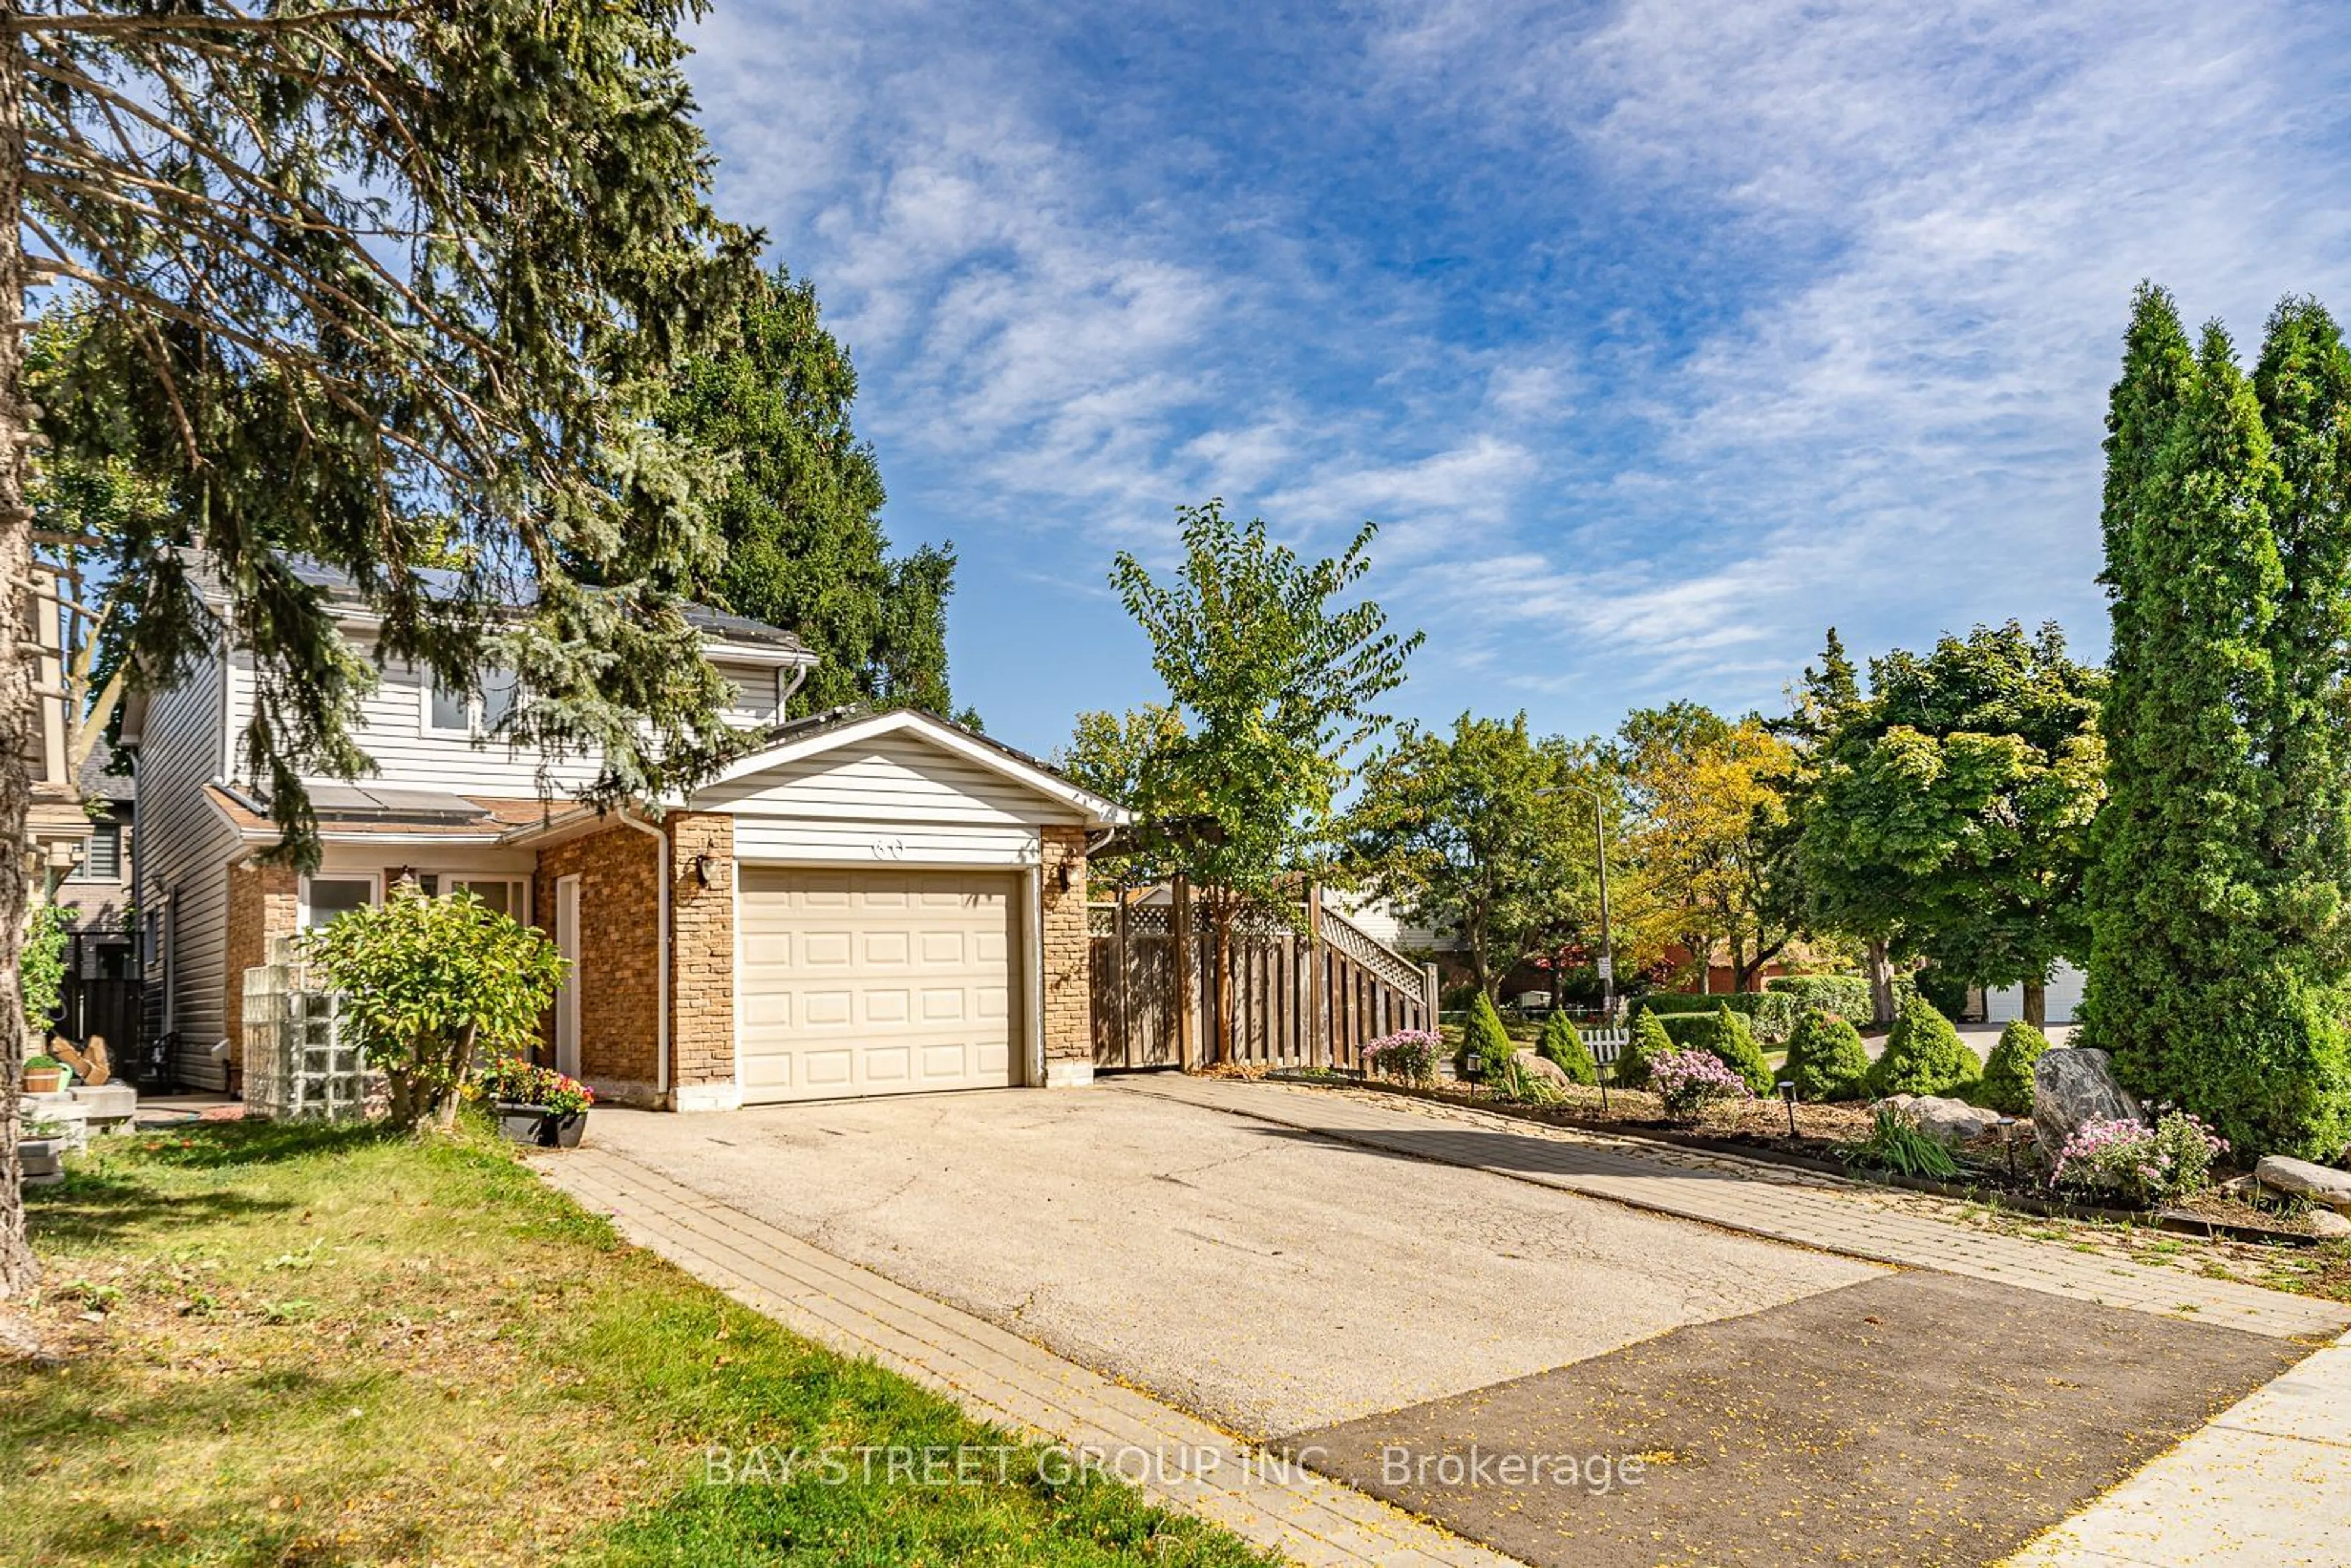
1277,685
1709,839
1953,804
1485,832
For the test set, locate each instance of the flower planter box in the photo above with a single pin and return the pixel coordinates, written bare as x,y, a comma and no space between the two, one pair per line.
522,1124
44,1079
539,1126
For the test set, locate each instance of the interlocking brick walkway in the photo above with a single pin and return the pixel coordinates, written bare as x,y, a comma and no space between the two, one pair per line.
1881,1225
1002,1378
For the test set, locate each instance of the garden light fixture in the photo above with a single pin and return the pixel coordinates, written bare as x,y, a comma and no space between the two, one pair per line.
1788,1093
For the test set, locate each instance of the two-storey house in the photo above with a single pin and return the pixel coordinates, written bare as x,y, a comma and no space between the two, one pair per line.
867,903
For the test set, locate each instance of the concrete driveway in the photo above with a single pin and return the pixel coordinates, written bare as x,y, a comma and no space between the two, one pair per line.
1264,1278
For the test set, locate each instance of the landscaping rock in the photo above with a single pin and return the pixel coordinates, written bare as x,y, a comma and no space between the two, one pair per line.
2074,1085
2320,1184
1544,1067
2328,1226
1951,1120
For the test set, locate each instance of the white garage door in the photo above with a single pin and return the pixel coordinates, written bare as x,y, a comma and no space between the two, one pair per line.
878,982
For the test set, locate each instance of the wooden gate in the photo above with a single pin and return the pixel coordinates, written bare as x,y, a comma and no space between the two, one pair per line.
1298,988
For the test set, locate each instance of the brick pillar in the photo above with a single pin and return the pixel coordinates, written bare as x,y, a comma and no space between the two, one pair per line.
618,976
702,962
1062,940
264,900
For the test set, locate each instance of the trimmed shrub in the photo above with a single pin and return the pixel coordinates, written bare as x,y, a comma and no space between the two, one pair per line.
2007,1085
1825,1059
1734,1046
1924,1055
1648,1042
1562,1045
1408,1055
1482,1032
1690,1081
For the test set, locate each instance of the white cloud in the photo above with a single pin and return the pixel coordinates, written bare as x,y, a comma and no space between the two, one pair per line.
1806,313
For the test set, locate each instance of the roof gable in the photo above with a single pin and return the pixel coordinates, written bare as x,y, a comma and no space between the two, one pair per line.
850,734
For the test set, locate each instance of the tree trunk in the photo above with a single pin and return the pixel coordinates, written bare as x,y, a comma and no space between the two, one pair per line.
2036,1003
448,1095
1881,985
19,715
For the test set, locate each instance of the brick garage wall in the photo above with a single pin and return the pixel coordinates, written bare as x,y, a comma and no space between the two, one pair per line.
702,950
264,900
1069,1002
619,958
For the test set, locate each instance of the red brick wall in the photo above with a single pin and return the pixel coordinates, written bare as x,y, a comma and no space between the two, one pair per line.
1069,1022
619,960
702,954
264,900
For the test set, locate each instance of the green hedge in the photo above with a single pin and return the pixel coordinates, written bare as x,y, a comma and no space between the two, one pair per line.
1845,996
1650,1039
1772,1013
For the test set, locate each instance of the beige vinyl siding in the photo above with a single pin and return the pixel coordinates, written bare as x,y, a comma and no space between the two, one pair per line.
793,841
892,779
187,847
392,732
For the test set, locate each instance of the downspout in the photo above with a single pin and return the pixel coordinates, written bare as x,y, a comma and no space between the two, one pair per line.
661,949
783,695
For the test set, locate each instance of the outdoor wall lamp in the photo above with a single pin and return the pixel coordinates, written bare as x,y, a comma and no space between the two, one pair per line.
1062,876
1788,1093
702,870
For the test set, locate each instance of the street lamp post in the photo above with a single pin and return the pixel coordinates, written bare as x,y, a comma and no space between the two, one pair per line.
1600,848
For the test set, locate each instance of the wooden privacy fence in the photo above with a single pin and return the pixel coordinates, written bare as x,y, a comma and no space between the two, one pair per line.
1302,987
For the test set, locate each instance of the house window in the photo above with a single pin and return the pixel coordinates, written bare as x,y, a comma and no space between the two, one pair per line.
325,899
504,894
101,857
458,711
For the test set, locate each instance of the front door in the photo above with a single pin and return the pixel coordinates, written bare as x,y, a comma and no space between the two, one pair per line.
566,1001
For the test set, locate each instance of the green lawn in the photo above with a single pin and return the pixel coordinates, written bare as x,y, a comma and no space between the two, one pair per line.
304,1345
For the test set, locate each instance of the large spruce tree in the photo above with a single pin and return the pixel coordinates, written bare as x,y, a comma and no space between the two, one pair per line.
2215,977
801,514
387,287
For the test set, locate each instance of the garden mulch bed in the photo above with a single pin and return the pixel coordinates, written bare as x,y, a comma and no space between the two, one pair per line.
1758,1129
1915,1419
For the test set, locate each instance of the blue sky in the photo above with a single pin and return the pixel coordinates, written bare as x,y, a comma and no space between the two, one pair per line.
1658,337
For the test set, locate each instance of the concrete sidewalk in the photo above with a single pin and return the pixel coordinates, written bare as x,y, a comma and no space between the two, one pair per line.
1175,1459
2266,1485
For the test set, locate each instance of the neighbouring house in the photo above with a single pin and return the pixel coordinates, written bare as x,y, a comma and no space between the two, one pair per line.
863,903
2005,1004
55,826
97,891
